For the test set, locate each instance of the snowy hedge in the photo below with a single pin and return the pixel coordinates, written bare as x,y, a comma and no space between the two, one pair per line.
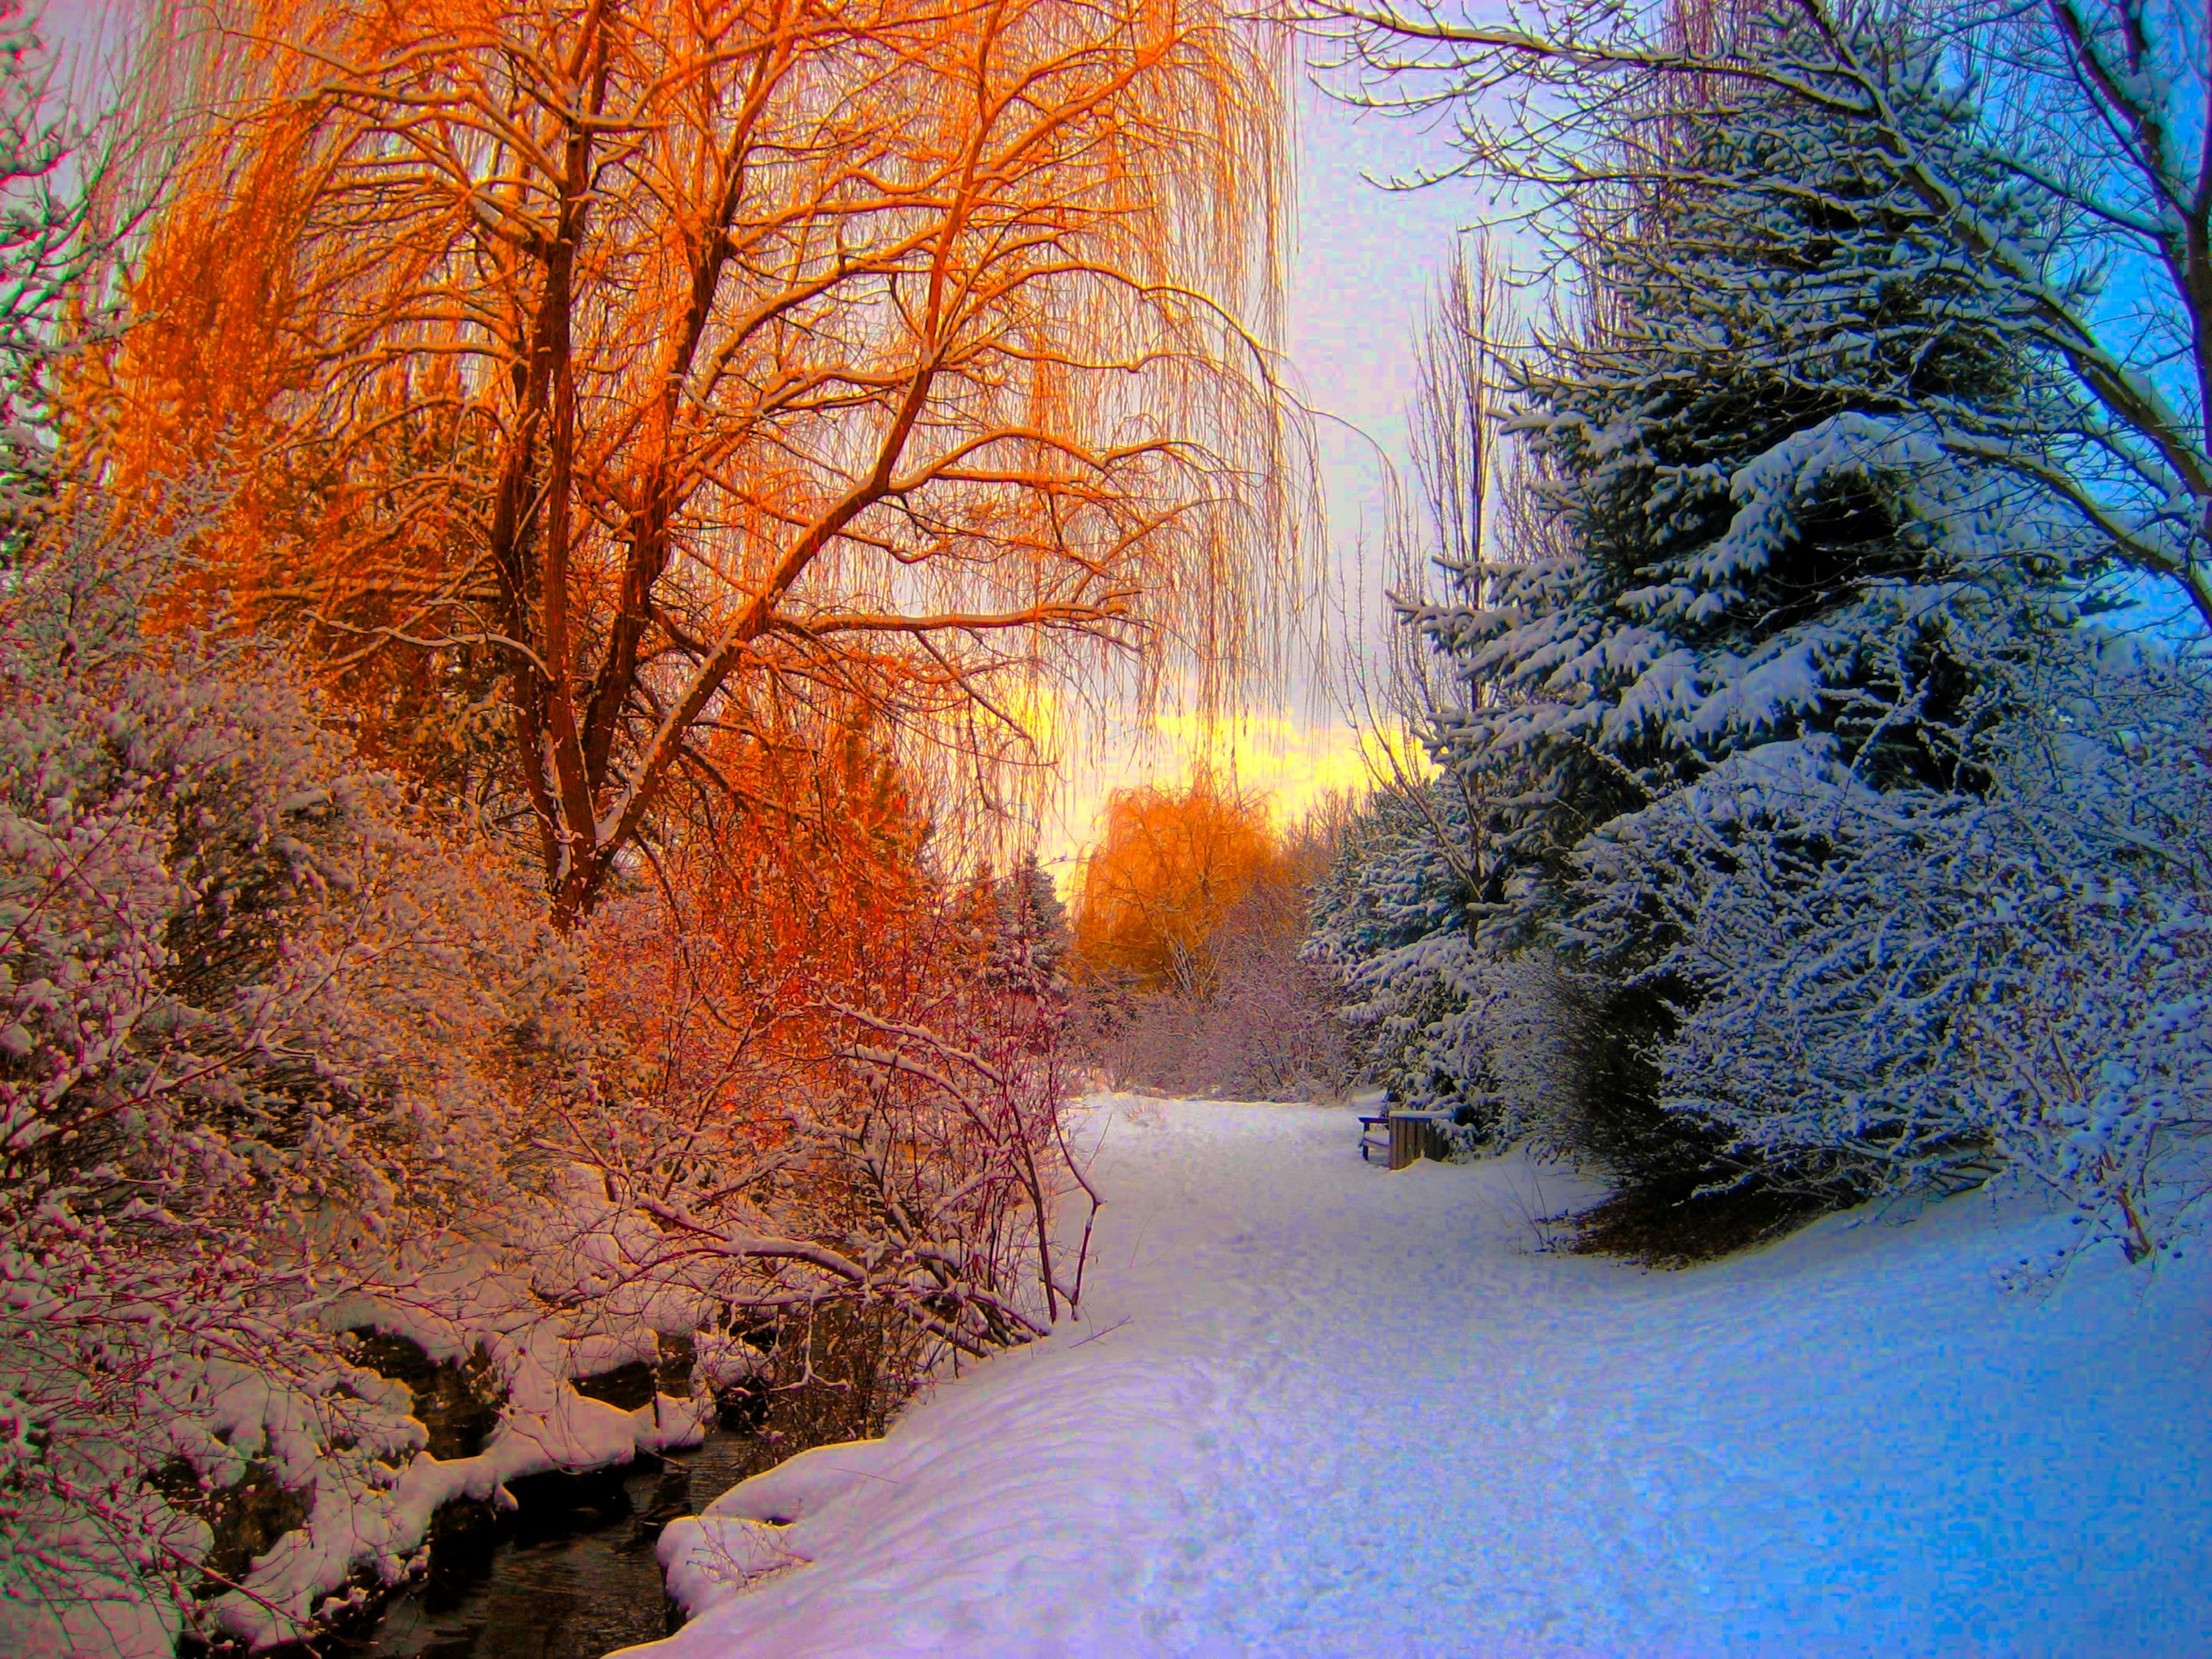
249,1012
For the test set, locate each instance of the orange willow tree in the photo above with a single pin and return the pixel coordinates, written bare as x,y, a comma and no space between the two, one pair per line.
1167,873
633,369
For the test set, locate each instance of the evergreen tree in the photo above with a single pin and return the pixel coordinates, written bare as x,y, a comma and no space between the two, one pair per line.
1032,929
1390,917
1773,565
1768,546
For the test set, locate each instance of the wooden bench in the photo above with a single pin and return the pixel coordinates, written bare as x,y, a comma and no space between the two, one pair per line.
1407,1135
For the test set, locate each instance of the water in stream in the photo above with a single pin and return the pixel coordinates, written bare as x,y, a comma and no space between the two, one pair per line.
571,1573
571,1576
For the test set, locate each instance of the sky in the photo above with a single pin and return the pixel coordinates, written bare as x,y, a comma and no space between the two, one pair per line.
1360,268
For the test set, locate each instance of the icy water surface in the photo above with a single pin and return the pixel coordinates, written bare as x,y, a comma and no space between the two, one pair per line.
573,1576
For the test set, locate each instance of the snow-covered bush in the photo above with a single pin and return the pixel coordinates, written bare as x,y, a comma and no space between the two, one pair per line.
885,1135
850,1098
1264,1027
249,1010
283,1062
1886,990
1269,1030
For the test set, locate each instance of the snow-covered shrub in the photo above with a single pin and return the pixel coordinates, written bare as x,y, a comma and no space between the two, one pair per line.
250,1016
847,1100
1886,990
1270,1029
288,1073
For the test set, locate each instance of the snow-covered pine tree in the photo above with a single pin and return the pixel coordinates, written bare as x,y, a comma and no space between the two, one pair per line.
1440,1022
1032,918
1390,918
1769,554
1762,550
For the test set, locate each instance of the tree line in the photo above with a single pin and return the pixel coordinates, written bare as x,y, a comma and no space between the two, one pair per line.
1813,665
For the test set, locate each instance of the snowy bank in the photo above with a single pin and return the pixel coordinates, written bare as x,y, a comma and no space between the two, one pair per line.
1315,1408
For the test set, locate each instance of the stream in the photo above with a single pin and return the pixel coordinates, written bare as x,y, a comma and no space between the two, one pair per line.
571,1574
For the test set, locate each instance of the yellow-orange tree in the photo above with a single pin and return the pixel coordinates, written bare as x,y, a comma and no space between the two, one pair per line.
653,364
1170,867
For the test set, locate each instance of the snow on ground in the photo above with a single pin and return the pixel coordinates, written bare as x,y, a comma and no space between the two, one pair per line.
1315,1407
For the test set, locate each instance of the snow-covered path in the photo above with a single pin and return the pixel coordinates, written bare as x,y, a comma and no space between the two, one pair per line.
1316,1409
